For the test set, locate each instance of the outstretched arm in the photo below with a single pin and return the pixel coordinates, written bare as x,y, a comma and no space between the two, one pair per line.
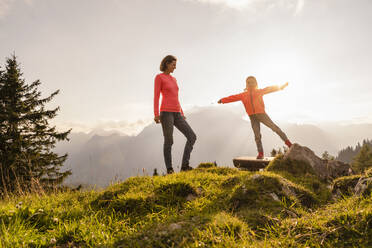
232,98
283,86
274,88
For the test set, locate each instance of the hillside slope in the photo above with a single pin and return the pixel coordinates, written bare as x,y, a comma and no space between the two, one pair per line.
206,207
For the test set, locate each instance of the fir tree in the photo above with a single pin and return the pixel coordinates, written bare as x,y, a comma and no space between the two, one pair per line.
347,154
327,156
26,137
273,153
363,160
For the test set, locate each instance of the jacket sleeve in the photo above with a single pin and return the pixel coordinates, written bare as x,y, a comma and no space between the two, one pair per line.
232,98
270,89
157,89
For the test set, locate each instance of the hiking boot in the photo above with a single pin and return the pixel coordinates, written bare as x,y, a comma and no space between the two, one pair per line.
170,171
260,155
186,168
288,143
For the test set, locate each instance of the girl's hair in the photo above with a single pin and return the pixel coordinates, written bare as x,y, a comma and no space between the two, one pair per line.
166,61
251,83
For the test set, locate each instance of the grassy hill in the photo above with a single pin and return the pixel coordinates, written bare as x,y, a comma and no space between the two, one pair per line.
206,207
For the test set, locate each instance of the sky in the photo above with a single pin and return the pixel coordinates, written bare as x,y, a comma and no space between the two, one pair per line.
103,55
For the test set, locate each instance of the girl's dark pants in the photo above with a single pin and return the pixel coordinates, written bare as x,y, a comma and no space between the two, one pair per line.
256,119
168,120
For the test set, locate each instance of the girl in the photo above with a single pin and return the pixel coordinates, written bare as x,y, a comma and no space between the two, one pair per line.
171,113
255,107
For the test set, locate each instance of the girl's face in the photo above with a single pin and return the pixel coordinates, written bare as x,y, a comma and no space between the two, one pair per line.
171,66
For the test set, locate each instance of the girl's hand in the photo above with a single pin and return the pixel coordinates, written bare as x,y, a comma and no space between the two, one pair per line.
157,119
283,86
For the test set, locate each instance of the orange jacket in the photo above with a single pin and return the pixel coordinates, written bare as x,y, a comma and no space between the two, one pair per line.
252,99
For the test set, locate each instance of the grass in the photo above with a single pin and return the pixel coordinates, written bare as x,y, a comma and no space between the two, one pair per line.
301,173
206,207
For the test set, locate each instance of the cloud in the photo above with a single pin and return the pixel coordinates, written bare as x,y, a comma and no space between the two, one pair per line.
104,126
294,6
5,7
299,7
230,3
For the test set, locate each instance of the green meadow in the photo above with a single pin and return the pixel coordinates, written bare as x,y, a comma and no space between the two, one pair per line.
206,207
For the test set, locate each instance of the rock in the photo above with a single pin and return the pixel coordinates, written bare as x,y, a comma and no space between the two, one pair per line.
199,190
287,191
302,153
190,197
338,169
344,186
325,169
174,226
274,196
364,186
256,176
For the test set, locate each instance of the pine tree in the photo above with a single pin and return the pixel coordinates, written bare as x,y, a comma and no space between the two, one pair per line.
327,156
273,153
26,137
347,154
363,159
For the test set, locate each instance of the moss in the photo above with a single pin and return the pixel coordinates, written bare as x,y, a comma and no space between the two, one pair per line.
225,226
230,208
135,206
368,190
368,172
207,165
269,193
301,173
294,167
113,192
104,199
231,181
173,193
345,185
347,223
220,170
178,189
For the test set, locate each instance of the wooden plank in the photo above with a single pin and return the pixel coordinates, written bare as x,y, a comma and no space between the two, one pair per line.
251,163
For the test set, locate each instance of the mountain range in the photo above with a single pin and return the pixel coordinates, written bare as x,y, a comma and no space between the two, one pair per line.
99,157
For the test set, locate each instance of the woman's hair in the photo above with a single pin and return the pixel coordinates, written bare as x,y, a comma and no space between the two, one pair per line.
251,83
166,61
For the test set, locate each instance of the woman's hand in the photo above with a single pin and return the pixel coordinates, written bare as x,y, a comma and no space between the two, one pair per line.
157,119
283,86
220,101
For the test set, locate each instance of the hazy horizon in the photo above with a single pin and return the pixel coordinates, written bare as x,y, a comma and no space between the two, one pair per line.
103,56
135,128
100,157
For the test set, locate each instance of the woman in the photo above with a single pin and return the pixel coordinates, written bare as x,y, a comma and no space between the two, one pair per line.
255,108
171,113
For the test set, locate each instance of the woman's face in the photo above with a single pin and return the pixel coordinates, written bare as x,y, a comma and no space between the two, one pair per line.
171,66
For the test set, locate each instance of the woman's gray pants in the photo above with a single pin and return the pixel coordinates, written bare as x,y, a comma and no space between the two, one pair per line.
168,120
256,119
